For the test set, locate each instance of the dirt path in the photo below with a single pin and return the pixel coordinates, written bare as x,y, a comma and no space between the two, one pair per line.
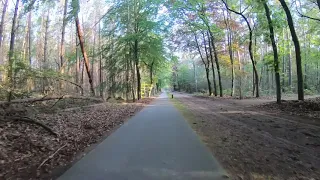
253,143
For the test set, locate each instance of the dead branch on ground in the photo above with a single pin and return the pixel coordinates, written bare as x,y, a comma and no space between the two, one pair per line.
51,156
46,98
29,120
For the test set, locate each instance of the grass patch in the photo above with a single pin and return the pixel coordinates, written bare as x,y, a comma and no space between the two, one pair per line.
191,119
188,115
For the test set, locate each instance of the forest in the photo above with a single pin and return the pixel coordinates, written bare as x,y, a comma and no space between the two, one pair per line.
57,55
241,48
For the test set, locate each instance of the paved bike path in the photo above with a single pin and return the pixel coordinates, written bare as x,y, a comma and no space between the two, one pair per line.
155,144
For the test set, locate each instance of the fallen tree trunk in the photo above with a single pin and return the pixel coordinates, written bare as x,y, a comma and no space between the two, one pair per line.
29,120
46,98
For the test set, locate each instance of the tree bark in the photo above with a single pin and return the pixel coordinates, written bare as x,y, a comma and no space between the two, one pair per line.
275,52
45,51
11,51
136,59
127,76
132,77
283,61
297,49
195,76
93,52
250,46
29,38
100,64
230,49
136,48
151,72
240,77
217,61
4,10
318,83
62,49
212,67
289,61
205,65
84,53
78,64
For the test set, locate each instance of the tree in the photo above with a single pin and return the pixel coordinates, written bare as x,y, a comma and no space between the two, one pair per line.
62,49
4,10
297,49
206,64
11,51
256,77
75,10
275,51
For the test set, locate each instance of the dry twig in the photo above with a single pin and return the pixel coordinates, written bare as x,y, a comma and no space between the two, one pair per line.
51,156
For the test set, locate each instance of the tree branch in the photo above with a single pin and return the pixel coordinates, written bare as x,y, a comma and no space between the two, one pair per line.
305,16
51,156
31,121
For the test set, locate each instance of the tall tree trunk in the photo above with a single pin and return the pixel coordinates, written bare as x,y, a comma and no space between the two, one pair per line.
11,51
250,46
297,49
45,52
229,35
240,77
25,44
93,52
62,48
318,83
136,59
275,52
136,47
84,53
127,77
215,53
212,67
289,61
205,65
283,61
206,22
230,49
4,10
132,76
78,64
100,64
195,76
305,59
30,81
151,72
29,38
82,75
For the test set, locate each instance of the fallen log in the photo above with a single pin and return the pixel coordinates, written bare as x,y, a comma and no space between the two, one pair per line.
47,98
29,120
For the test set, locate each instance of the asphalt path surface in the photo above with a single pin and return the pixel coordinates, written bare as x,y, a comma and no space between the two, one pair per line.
155,144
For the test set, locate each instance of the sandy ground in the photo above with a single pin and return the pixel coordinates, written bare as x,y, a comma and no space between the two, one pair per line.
255,142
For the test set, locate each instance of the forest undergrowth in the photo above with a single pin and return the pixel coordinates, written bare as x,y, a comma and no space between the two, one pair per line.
258,139
39,140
